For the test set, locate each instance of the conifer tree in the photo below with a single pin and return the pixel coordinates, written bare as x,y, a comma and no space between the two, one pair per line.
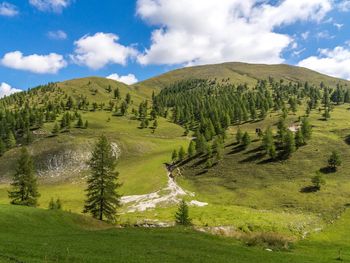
56,129
24,185
102,197
289,144
10,140
191,149
306,129
182,153
246,140
80,123
334,160
174,156
182,217
299,138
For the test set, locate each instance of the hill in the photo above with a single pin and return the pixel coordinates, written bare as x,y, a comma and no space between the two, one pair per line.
244,189
240,73
37,235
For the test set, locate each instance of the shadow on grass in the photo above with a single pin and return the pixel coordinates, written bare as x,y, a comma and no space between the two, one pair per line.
237,149
253,158
309,189
347,140
327,170
202,172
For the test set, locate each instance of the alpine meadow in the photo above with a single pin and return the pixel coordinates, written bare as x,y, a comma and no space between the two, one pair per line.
202,159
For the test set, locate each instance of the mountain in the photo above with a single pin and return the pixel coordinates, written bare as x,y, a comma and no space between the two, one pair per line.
241,186
240,73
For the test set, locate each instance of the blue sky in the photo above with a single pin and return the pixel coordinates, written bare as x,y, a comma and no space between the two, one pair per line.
54,40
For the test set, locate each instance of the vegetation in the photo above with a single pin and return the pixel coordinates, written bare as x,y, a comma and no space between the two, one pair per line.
182,217
24,186
102,197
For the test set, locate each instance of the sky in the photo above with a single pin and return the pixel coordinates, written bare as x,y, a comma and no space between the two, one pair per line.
45,41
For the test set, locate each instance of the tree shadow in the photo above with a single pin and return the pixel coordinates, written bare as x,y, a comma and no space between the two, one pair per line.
347,140
253,158
259,149
202,172
309,189
237,149
200,162
327,170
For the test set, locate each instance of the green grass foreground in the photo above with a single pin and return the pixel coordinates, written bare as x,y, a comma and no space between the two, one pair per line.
37,235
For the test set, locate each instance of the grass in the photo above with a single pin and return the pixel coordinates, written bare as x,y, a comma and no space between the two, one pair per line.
37,235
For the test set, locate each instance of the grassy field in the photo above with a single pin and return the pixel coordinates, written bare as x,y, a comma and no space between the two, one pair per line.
36,235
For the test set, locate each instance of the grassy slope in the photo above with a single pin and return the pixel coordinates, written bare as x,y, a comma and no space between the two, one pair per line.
240,73
144,153
36,235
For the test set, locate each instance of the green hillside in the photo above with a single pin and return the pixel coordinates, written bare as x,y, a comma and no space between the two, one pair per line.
240,73
36,235
226,183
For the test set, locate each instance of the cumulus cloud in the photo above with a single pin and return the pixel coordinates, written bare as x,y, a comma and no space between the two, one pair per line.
203,31
6,90
41,64
128,79
57,35
101,49
344,6
334,62
50,5
7,9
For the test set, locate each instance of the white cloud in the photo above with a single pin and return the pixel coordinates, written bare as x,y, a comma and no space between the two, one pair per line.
334,62
339,26
205,31
57,35
50,5
344,6
305,35
7,9
101,49
41,64
324,35
6,90
128,79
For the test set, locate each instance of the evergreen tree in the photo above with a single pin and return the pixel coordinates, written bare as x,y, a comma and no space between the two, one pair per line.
281,130
80,123
182,217
10,140
318,181
334,160
55,129
246,140
239,136
24,185
182,153
268,143
86,125
102,197
191,149
289,144
306,129
174,156
299,138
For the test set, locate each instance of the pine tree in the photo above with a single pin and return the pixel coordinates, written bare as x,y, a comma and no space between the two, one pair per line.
182,153
299,138
182,217
24,186
10,140
174,156
306,129
102,197
191,149
289,144
86,125
246,140
56,129
80,122
334,160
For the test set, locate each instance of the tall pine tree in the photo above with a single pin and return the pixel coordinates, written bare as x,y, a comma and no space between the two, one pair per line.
102,197
24,186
